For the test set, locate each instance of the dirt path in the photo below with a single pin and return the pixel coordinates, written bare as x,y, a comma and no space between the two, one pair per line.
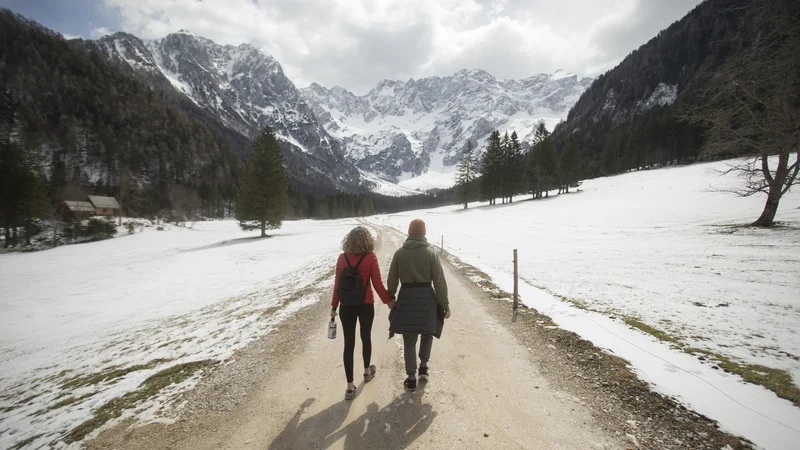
484,392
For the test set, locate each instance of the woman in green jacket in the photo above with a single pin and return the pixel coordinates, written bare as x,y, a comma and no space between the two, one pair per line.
422,303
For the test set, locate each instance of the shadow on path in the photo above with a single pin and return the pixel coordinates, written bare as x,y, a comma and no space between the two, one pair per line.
395,426
239,241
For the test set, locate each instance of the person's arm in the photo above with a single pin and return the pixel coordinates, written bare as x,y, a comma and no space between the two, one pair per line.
377,281
393,279
439,283
335,300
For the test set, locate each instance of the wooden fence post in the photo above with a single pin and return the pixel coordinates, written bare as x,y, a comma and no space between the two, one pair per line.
516,282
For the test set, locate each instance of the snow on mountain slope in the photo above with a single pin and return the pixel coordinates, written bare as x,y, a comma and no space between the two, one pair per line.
432,179
401,130
246,88
383,187
397,131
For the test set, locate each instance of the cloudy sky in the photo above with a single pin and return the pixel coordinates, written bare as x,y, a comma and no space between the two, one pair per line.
356,43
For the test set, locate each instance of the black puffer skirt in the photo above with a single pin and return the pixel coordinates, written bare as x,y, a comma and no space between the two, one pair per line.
417,311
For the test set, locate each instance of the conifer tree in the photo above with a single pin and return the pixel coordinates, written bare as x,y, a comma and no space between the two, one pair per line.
535,176
505,165
491,168
548,161
24,197
540,133
515,166
533,171
466,172
569,167
263,199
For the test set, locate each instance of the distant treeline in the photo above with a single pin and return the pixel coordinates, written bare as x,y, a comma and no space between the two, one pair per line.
342,205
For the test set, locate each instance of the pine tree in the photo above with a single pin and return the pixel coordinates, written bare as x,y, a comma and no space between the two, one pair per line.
540,133
533,171
491,168
505,167
263,199
569,167
535,176
548,163
515,171
34,202
466,172
24,198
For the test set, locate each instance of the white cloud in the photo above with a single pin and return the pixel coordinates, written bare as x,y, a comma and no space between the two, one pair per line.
356,43
69,37
100,32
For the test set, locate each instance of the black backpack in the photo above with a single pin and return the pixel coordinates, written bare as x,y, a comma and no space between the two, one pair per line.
352,290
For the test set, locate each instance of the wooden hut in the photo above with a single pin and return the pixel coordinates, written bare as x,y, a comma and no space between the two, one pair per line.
104,206
79,210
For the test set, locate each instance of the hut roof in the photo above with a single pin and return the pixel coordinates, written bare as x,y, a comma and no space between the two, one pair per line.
76,206
104,202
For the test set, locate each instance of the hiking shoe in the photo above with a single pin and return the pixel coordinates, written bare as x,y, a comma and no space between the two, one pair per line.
369,376
410,384
423,373
349,394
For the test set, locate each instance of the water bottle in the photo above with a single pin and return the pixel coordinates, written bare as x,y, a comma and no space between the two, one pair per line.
332,329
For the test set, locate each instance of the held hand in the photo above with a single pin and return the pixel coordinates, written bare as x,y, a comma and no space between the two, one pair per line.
333,314
447,315
392,304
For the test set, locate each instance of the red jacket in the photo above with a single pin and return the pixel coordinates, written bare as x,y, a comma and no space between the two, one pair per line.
369,271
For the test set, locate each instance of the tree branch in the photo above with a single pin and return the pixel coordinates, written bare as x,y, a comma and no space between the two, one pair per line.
765,168
791,177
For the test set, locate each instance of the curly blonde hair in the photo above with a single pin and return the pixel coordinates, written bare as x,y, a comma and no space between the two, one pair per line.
358,241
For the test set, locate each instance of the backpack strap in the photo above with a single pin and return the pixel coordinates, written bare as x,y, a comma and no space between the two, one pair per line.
361,259
347,260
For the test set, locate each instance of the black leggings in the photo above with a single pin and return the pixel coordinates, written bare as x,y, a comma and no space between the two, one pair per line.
349,315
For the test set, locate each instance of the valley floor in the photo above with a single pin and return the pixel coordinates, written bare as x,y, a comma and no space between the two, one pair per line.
496,382
641,275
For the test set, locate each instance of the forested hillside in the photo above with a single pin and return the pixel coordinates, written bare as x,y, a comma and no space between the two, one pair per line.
631,116
83,127
239,91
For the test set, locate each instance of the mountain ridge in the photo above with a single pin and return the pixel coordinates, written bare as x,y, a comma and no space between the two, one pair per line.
403,129
246,89
398,131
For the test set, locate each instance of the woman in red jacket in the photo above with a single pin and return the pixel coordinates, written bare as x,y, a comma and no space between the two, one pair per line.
357,246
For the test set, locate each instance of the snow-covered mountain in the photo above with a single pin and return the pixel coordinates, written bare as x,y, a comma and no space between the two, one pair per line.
409,132
413,132
246,88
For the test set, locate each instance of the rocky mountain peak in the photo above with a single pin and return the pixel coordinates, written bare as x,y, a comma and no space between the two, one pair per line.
401,130
398,130
247,89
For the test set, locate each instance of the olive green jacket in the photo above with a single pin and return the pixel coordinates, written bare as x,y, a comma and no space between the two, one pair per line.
417,262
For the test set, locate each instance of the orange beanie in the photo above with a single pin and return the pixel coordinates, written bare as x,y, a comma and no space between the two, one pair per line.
416,228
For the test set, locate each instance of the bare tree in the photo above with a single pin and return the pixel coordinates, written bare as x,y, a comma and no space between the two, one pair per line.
753,105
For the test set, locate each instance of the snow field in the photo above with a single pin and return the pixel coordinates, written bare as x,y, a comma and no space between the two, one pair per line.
657,247
152,299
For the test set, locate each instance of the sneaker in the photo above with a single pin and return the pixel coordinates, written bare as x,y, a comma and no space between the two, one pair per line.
410,384
349,394
423,373
369,376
